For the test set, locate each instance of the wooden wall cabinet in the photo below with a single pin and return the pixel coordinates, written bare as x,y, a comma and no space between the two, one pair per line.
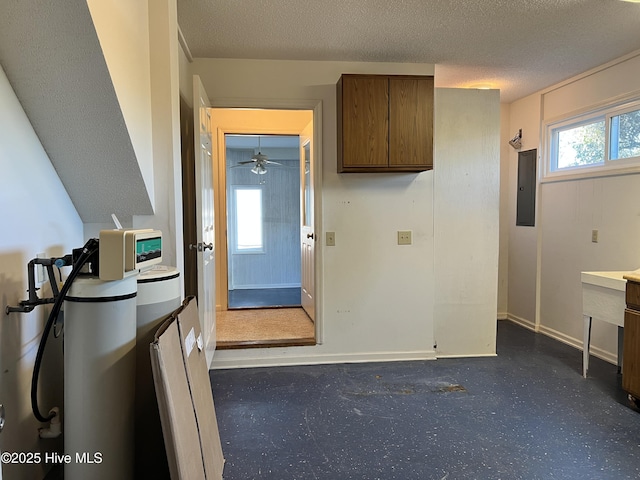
385,123
631,342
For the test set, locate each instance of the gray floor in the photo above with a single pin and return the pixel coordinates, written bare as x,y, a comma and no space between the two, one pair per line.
264,297
526,414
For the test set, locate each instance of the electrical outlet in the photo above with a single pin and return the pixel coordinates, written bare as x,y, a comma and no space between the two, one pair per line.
330,239
594,236
404,237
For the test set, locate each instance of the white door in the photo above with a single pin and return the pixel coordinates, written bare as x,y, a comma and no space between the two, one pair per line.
307,234
204,217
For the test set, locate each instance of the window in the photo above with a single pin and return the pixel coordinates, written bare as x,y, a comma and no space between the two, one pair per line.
595,142
247,219
580,145
625,135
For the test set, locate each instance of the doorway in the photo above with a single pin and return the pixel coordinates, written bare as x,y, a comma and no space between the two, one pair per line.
263,220
260,200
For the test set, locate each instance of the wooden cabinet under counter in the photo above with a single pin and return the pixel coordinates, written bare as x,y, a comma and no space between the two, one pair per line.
385,123
631,342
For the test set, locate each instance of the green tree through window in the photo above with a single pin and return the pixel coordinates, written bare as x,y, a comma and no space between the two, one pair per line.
583,145
625,135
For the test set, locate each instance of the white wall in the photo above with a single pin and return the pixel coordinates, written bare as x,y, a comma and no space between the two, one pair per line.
123,30
186,78
503,253
568,211
522,261
377,297
36,215
466,206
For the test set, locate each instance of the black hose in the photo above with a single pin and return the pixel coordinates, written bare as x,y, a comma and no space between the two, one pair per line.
89,249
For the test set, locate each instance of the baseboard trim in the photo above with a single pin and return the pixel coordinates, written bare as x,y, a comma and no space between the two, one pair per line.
478,355
274,343
564,338
578,344
502,315
523,322
230,359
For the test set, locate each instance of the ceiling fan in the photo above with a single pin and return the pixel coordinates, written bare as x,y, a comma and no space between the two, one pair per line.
261,161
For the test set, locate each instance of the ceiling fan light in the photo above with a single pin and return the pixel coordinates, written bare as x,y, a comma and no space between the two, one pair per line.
259,170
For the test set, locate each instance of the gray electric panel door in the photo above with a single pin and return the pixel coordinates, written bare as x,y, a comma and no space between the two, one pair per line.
526,206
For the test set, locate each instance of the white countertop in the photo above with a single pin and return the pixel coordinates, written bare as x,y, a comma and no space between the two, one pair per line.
633,276
612,280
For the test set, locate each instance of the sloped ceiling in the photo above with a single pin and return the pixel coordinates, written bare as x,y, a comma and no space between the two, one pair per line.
52,57
517,46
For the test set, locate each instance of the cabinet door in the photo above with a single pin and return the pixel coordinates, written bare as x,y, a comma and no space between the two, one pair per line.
631,353
632,296
365,123
411,122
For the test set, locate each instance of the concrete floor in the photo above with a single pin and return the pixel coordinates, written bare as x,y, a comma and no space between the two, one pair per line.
526,414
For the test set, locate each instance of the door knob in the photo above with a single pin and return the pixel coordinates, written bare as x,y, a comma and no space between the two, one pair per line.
310,235
201,247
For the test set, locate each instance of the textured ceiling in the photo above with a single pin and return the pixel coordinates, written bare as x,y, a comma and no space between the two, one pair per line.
53,60
515,45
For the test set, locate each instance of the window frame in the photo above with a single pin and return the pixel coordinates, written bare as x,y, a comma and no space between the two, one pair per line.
234,223
623,109
609,166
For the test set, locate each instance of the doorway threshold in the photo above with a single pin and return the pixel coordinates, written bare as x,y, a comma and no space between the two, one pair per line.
264,328
237,345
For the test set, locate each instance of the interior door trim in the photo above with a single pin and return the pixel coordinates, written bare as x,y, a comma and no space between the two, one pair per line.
272,104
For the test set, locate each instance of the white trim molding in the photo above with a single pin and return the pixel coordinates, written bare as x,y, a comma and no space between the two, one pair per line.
228,359
566,339
523,322
578,344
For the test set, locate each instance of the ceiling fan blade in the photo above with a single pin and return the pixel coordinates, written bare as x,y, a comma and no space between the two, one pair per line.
272,163
248,161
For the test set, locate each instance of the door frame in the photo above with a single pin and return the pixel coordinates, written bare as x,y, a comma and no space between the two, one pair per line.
220,188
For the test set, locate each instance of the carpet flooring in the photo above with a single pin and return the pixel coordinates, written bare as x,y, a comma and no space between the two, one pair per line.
526,414
263,325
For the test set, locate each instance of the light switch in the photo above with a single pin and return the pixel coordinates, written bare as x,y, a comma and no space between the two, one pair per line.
330,239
